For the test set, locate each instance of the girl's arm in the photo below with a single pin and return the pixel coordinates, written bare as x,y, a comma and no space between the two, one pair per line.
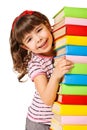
48,89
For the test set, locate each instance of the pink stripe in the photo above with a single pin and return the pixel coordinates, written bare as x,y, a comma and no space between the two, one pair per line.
42,114
77,59
44,121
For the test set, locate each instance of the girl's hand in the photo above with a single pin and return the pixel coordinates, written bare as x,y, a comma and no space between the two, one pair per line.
62,66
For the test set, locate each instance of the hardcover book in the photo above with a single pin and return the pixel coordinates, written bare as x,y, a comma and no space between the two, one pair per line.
69,120
72,50
70,40
68,110
77,59
79,68
75,79
70,20
66,11
73,58
72,99
76,30
55,126
67,89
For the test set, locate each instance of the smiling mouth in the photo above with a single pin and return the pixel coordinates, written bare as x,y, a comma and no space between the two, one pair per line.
43,45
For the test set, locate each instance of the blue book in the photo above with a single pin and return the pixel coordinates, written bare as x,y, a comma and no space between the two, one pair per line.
72,50
75,79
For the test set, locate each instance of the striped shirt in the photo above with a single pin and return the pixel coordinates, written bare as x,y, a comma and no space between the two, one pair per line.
38,111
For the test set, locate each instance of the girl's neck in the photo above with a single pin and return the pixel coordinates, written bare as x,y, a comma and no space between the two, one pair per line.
49,54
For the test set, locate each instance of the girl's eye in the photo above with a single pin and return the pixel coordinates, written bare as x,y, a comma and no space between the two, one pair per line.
39,29
29,39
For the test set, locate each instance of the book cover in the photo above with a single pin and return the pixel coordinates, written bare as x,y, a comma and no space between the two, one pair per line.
78,68
72,50
72,99
75,79
68,29
68,110
68,89
70,40
69,120
55,126
77,59
71,21
67,11
73,58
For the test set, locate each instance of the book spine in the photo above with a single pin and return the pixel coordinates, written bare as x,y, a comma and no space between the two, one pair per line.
72,99
76,30
79,68
75,79
72,89
75,21
77,59
74,12
67,110
72,50
74,127
81,120
76,50
72,40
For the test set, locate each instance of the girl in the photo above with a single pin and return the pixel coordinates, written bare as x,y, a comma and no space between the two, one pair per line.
31,43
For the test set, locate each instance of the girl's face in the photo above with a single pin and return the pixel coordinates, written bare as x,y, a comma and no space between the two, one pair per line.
39,40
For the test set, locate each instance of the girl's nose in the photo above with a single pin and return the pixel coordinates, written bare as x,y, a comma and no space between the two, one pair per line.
38,39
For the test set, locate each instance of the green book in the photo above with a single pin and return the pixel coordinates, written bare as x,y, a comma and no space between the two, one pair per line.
66,11
72,89
79,68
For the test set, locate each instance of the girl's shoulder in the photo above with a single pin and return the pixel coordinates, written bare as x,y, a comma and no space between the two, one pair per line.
35,60
39,64
40,60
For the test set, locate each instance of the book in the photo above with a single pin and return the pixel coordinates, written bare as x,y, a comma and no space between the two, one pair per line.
70,40
77,59
69,110
79,68
75,79
71,21
68,89
68,29
72,99
55,126
67,11
71,50
73,58
69,120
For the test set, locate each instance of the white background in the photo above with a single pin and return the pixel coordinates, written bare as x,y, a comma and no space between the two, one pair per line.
14,96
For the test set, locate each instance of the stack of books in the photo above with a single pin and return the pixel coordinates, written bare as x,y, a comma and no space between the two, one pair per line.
70,36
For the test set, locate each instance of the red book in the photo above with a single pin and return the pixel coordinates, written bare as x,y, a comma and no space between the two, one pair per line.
72,99
76,30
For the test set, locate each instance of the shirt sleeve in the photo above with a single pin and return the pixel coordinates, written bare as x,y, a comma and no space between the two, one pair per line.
35,69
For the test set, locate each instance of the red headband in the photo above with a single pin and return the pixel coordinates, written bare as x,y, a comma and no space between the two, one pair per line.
21,15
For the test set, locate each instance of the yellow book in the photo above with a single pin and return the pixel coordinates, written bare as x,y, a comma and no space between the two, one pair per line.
67,127
65,109
70,40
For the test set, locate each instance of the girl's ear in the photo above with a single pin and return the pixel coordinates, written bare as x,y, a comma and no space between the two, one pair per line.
24,47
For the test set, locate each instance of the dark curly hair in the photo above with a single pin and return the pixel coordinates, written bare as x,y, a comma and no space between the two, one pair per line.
21,26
